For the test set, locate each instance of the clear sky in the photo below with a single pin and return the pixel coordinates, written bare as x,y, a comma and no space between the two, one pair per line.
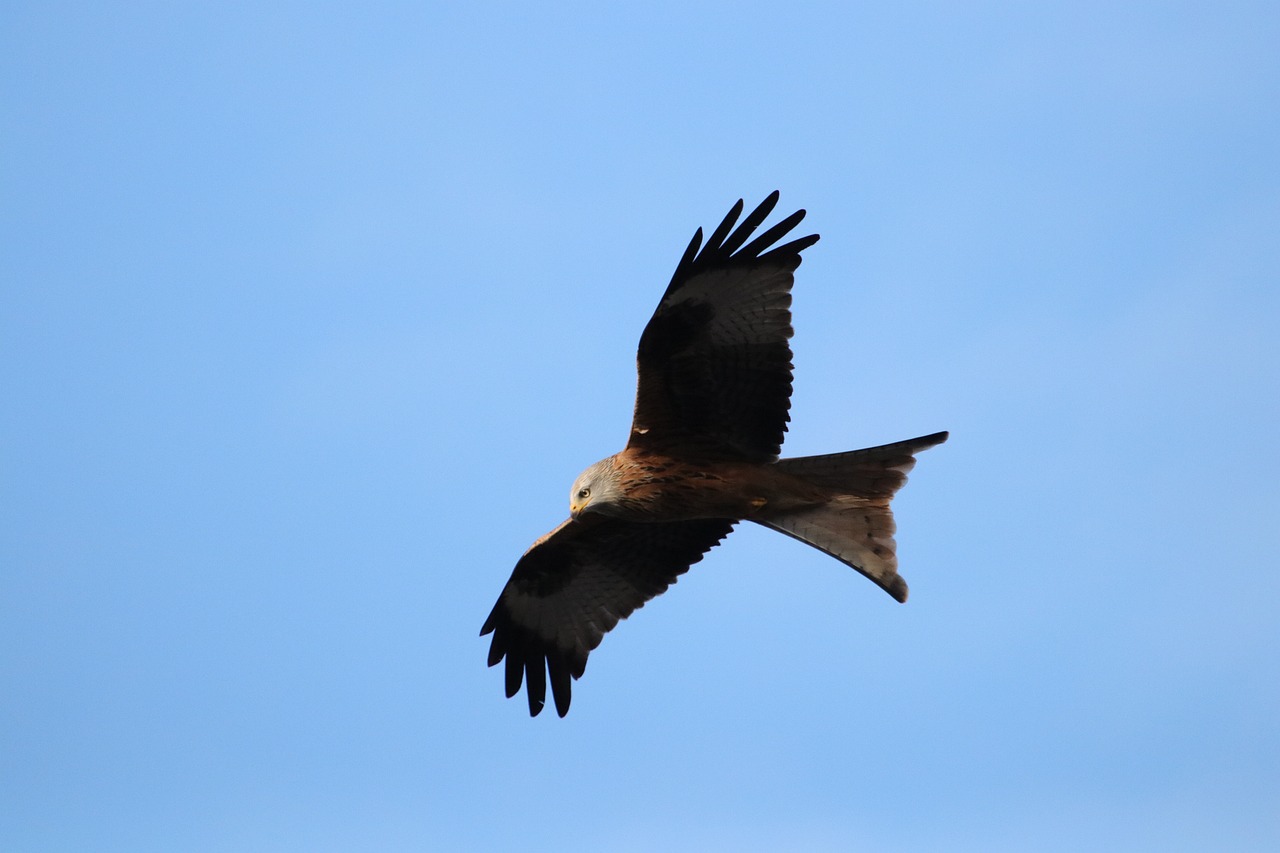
313,311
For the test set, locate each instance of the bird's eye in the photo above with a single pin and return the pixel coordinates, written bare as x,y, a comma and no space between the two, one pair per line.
584,493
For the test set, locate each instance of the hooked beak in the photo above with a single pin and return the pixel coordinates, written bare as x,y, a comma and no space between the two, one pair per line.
576,508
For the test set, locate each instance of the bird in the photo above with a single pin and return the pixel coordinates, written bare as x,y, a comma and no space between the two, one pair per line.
714,369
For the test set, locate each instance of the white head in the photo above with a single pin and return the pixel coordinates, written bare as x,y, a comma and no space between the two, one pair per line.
596,489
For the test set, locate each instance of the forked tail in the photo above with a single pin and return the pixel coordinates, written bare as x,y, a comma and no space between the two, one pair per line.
856,525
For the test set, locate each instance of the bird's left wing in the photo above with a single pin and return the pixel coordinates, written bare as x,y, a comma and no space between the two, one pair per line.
573,586
714,363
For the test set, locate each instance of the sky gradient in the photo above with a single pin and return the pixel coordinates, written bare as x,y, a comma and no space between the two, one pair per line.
312,313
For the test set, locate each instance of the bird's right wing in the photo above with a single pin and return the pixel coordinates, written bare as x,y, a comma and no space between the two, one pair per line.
573,586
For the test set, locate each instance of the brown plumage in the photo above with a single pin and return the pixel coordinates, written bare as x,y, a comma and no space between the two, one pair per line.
714,390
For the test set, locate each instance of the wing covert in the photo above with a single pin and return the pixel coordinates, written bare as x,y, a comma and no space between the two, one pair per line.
574,585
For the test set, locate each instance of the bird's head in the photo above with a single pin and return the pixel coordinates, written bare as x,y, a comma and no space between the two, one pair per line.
595,490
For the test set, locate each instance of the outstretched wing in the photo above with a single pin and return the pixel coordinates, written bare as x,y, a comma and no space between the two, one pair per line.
573,586
714,363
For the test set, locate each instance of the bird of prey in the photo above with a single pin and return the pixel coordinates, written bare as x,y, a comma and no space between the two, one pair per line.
714,388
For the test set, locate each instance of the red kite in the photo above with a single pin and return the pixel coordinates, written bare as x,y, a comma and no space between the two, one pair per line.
711,409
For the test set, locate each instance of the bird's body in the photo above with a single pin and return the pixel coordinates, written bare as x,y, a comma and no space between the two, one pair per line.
714,368
666,488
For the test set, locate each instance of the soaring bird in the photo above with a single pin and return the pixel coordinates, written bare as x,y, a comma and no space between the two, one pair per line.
714,390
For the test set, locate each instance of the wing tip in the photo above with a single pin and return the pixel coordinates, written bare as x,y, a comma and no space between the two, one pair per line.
728,241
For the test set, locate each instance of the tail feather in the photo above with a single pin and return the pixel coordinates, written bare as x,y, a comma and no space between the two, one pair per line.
856,526
871,472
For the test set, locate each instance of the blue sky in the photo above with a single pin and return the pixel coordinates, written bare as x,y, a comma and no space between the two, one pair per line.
312,312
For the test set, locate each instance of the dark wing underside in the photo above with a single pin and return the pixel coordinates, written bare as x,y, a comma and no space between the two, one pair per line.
573,586
714,363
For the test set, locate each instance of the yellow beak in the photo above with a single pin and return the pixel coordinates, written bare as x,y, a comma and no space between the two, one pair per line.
577,506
